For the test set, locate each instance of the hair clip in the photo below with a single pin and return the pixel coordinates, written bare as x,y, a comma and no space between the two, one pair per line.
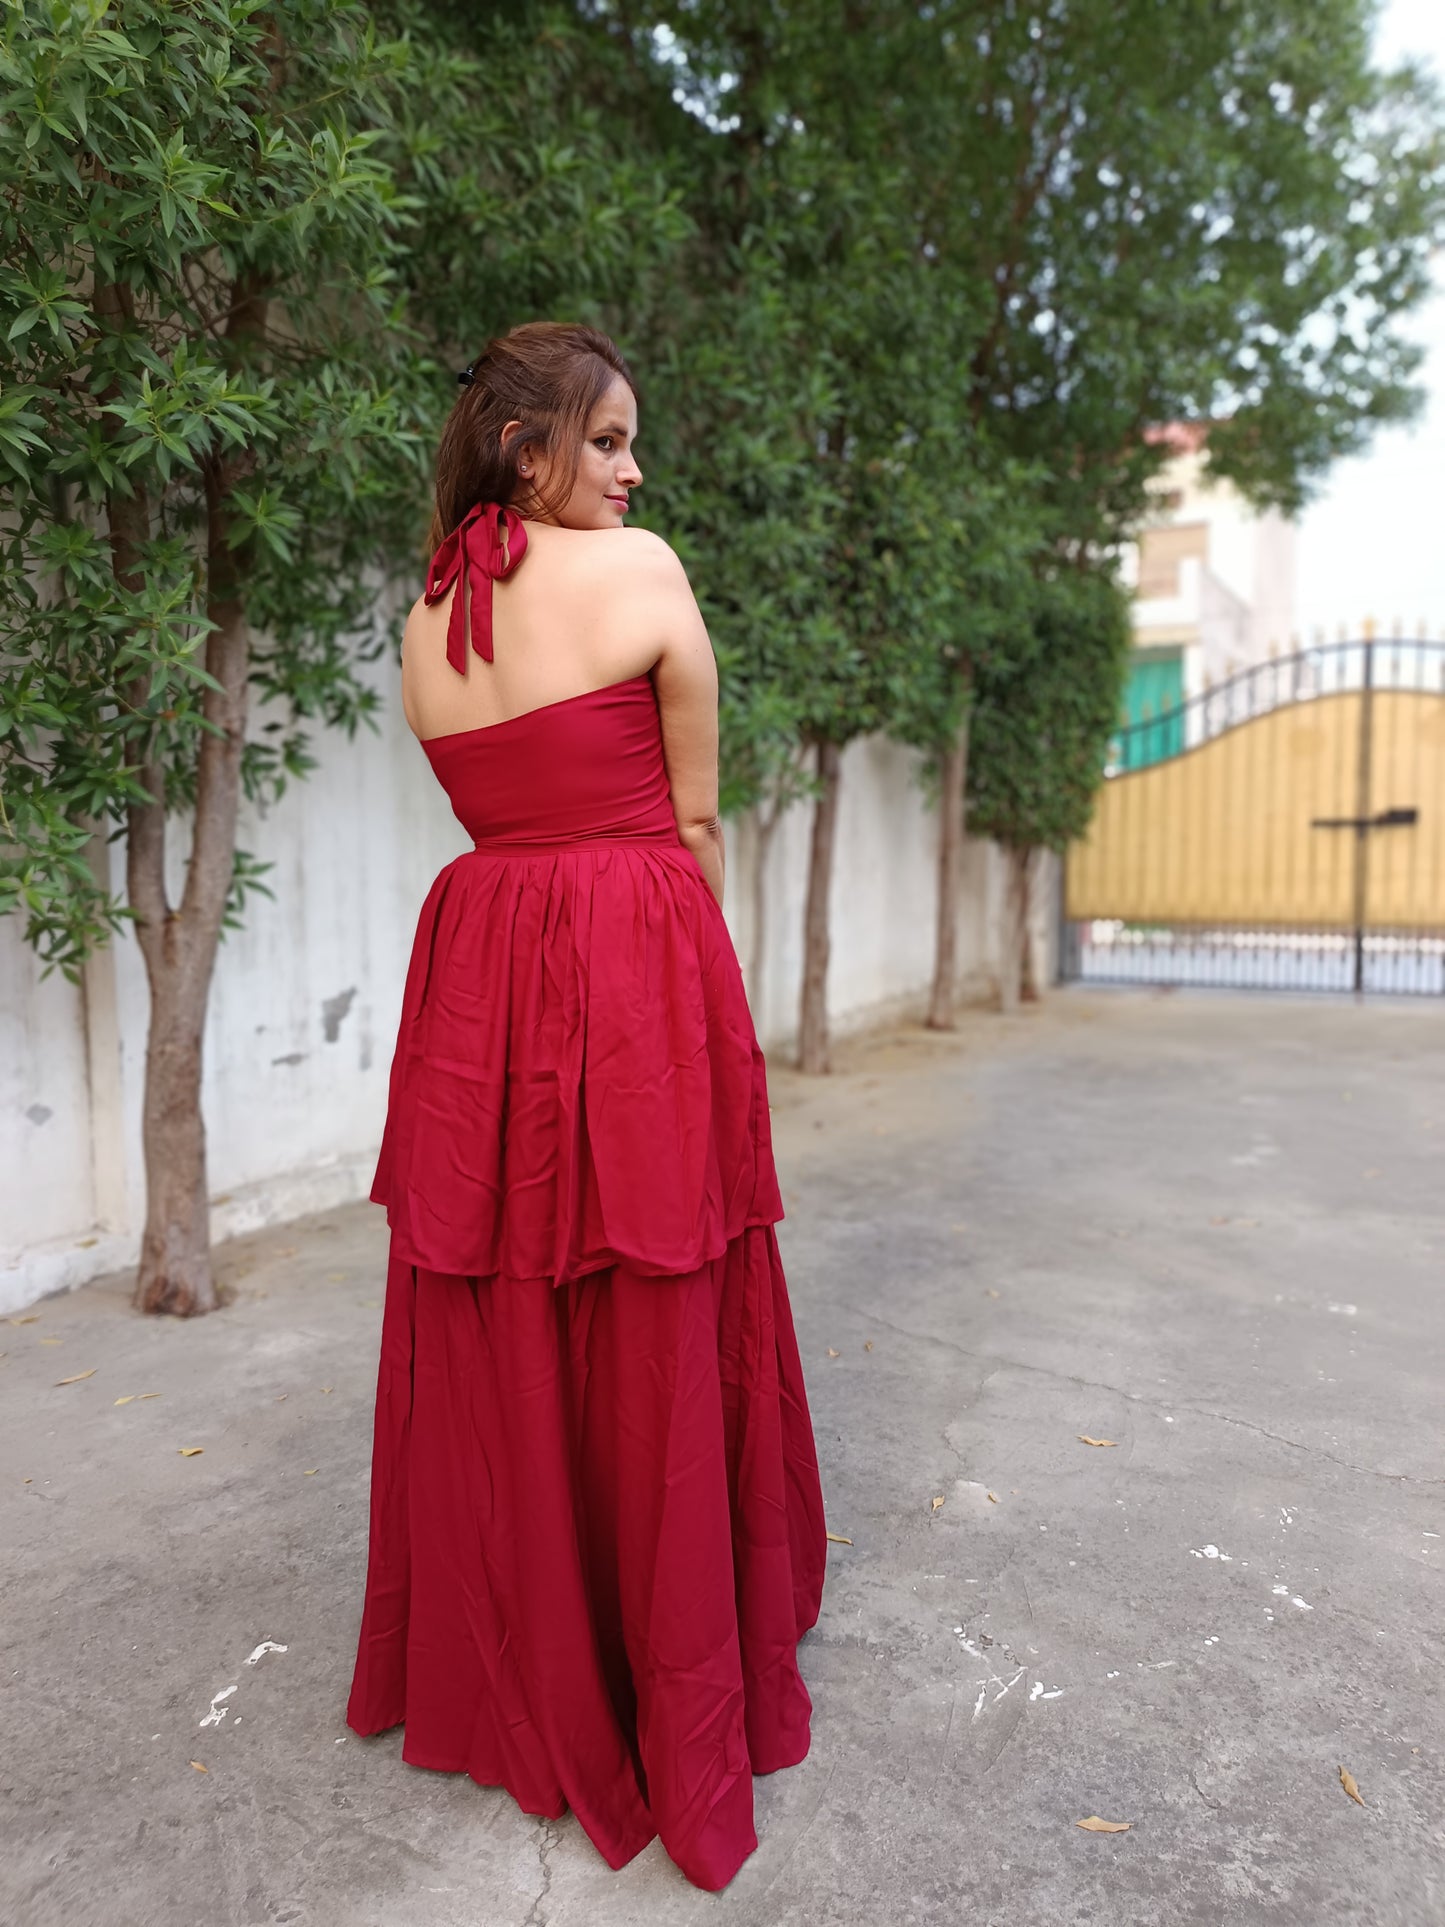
465,376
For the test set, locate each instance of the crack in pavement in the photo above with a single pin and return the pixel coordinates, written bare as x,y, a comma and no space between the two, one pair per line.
1298,1445
998,1364
1213,1804
546,1841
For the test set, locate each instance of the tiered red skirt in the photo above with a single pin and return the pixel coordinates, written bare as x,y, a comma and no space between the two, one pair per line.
596,1524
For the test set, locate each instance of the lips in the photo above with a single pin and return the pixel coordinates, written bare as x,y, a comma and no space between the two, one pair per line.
620,500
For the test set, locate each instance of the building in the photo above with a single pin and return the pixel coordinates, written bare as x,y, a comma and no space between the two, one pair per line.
1214,586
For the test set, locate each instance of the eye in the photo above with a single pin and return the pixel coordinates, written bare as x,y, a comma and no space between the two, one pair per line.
605,442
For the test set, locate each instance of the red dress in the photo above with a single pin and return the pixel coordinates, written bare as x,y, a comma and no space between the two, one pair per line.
596,1525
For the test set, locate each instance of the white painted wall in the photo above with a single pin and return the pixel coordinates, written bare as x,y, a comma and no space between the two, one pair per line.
305,1000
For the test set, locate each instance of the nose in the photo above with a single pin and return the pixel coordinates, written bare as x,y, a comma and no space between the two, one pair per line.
629,475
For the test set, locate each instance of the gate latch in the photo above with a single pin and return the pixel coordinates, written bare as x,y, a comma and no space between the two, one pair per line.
1386,820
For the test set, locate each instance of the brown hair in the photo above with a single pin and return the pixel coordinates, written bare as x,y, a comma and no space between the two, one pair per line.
549,376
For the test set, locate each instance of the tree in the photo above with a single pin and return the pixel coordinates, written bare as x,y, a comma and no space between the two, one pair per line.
741,401
969,602
216,412
808,380
1043,715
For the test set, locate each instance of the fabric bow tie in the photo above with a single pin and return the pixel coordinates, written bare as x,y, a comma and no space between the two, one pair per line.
486,545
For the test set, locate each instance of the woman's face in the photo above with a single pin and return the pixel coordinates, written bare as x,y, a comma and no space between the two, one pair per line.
607,471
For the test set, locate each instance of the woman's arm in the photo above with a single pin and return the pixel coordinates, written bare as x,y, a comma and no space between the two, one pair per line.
685,677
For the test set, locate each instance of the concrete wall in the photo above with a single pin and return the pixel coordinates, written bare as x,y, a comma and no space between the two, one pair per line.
305,999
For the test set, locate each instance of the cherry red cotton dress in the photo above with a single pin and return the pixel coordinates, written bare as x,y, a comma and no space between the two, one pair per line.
596,1525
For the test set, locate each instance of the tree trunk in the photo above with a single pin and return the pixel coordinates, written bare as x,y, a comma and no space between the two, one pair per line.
1016,921
813,1017
1031,973
180,950
953,774
766,818
175,1262
175,1267
178,944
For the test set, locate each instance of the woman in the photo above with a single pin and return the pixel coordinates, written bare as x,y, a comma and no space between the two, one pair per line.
596,1528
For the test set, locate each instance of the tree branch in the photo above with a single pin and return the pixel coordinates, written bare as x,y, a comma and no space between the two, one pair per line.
228,660
128,516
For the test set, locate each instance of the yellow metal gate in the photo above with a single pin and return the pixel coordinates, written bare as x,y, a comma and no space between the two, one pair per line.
1286,830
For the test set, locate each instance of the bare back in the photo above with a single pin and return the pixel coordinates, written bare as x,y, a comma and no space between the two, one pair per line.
565,622
584,609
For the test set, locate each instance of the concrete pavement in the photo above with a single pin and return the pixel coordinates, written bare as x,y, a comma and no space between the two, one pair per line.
1208,1229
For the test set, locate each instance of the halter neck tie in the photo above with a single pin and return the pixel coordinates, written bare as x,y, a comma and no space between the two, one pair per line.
486,544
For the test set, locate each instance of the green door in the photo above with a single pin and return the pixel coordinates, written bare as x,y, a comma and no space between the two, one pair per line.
1153,699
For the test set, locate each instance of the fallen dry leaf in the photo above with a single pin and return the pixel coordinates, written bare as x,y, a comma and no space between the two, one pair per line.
150,1394
76,1377
994,1497
1084,1439
832,1353
328,1388
837,1539
1347,1781
1095,1825
30,1318
129,1397
190,1451
867,1345
936,1503
52,1341
994,1294
311,1473
199,1768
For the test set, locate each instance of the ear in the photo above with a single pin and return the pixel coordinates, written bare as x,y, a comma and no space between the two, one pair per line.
525,453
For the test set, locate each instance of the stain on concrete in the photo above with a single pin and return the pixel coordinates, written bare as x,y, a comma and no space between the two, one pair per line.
40,1114
333,1012
291,1057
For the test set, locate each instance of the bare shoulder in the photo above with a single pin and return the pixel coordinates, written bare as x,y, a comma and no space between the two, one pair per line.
418,618
643,556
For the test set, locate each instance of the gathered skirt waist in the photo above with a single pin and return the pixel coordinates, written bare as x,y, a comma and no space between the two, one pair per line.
552,845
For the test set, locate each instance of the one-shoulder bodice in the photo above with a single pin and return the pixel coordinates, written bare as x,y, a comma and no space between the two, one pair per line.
586,770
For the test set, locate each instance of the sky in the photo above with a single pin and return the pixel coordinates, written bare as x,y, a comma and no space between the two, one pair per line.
1372,543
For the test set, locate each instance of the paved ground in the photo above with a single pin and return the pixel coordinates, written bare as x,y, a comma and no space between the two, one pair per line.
1209,1229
